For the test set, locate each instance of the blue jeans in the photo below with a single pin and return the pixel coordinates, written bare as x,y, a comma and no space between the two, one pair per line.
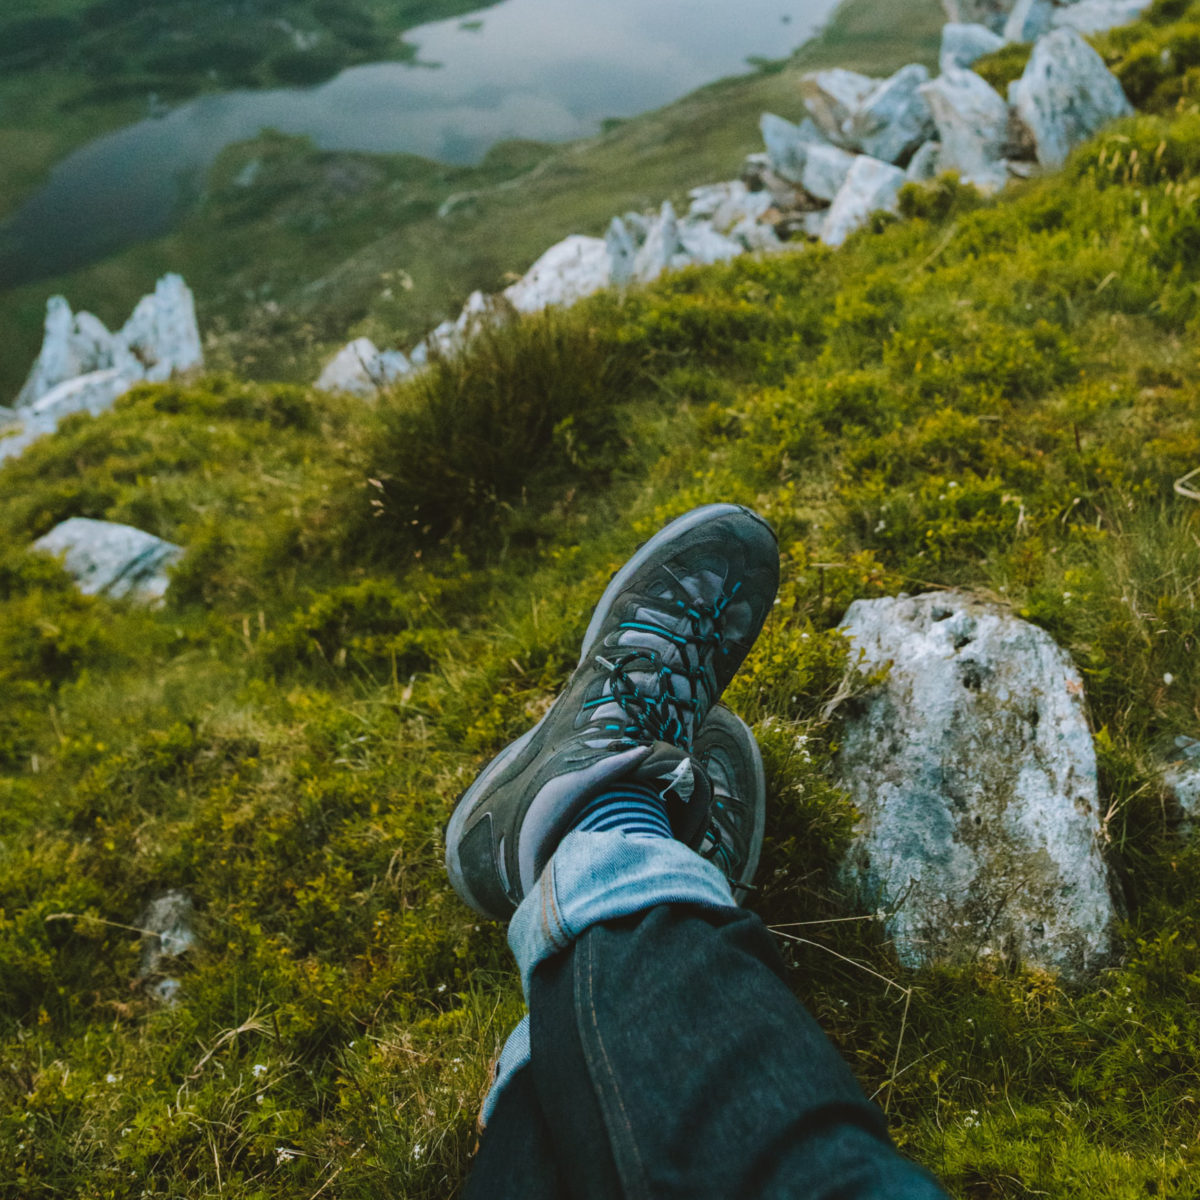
665,1056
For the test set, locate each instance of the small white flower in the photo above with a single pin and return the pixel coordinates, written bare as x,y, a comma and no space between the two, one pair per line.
283,1154
417,1150
259,1098
1168,678
110,1078
441,987
258,1069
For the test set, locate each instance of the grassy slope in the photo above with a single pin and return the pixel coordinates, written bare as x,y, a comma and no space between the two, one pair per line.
291,269
991,395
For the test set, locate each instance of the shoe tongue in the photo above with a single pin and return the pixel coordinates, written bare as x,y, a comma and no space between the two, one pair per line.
683,785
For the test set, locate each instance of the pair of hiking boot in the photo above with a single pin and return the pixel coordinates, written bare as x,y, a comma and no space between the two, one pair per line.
640,712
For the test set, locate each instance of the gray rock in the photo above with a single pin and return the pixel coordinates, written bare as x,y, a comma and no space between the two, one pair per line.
167,933
974,772
704,245
93,393
1095,16
724,205
73,344
115,560
571,269
1065,95
894,119
989,13
360,368
925,164
160,337
800,155
750,233
825,171
622,250
759,176
1029,20
871,186
972,121
162,334
788,144
662,247
964,45
1181,780
831,98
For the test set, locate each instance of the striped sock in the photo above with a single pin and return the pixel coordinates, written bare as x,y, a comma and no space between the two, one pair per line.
635,811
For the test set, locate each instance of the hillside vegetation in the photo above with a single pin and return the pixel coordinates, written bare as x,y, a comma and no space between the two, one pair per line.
324,245
990,395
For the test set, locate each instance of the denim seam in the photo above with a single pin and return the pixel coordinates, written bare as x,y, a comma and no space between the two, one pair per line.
612,1103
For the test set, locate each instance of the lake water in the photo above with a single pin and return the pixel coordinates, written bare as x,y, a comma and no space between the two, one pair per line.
549,70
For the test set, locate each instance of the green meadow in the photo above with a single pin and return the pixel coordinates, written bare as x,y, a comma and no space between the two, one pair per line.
994,395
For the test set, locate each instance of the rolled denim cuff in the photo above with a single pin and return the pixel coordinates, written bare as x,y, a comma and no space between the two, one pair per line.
601,876
513,1057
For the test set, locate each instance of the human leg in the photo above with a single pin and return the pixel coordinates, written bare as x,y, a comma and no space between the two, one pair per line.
668,1055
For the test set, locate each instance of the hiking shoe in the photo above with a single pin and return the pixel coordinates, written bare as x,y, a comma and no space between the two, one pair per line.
727,751
672,627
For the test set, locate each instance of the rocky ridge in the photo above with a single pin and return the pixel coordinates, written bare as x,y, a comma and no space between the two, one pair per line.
822,179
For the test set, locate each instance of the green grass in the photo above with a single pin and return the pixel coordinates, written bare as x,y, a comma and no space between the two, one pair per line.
325,245
996,395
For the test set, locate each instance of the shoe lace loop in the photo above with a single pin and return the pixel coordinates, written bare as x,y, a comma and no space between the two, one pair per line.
658,714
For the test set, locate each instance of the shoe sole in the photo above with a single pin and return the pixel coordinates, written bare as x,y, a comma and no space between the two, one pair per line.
616,585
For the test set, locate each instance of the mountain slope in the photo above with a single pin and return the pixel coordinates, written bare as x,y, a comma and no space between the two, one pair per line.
991,395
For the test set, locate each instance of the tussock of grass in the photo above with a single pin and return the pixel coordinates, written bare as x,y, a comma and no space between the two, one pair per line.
993,395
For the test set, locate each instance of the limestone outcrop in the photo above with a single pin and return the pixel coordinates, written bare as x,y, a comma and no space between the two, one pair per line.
973,768
1065,95
82,367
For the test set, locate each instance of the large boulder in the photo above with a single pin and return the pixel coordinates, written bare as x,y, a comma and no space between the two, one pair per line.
894,118
115,560
973,769
990,13
972,122
1095,16
571,269
360,368
965,45
871,186
1065,95
162,334
93,393
832,97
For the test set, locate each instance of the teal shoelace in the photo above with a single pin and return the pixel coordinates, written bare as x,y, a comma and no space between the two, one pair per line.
657,714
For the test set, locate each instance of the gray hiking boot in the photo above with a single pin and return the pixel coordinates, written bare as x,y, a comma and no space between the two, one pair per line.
672,627
731,759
